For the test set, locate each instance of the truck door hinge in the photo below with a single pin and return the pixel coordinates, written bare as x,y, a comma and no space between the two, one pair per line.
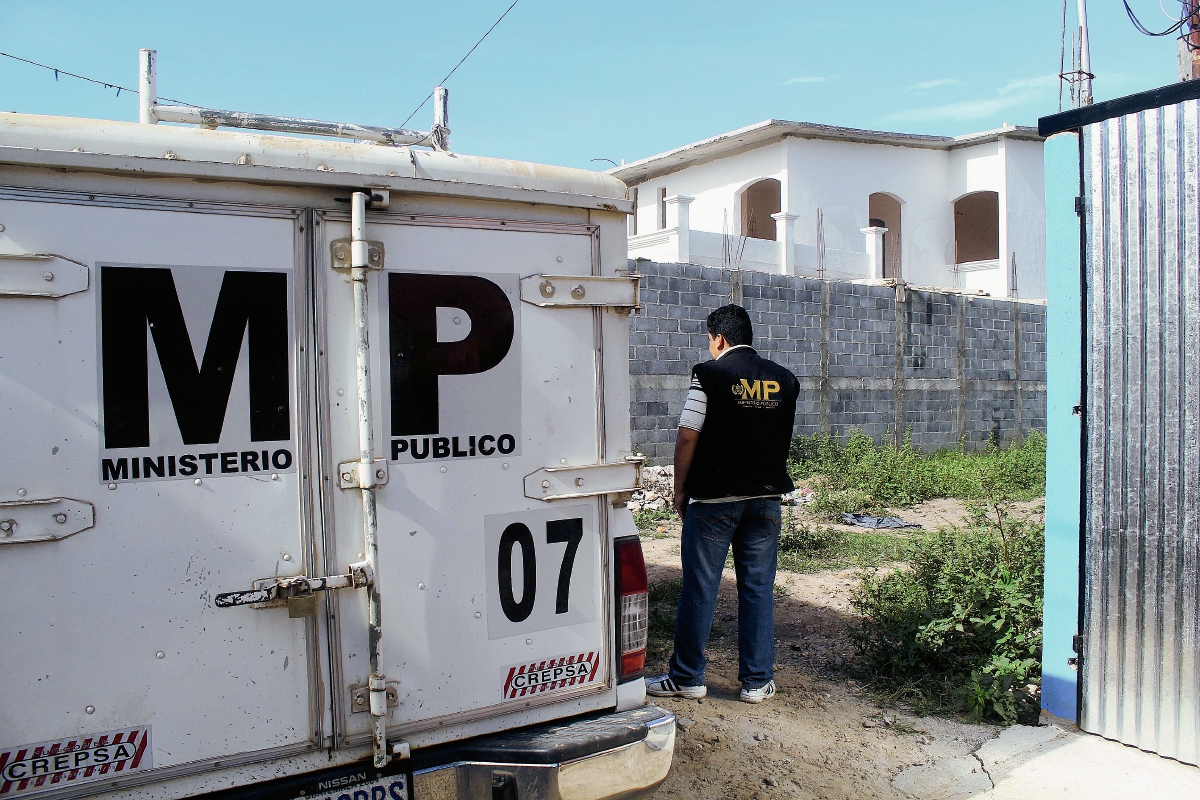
41,275
297,592
341,251
568,483
360,697
619,293
1079,205
44,520
357,475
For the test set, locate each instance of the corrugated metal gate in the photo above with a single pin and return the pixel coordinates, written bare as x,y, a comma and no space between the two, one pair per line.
1140,681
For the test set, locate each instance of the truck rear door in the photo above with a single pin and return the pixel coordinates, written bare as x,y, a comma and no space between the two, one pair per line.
494,600
155,453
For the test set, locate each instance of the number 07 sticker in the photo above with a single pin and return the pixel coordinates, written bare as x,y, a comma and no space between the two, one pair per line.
541,569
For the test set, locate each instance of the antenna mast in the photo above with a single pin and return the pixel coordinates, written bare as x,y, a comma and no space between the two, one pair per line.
1078,78
1085,57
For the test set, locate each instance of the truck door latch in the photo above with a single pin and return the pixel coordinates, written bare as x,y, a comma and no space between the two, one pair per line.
298,592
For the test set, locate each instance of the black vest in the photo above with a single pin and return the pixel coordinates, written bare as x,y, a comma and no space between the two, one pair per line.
743,445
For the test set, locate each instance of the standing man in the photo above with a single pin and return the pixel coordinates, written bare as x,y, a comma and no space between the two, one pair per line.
730,471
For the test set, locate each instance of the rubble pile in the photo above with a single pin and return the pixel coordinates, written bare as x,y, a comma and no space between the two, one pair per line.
658,488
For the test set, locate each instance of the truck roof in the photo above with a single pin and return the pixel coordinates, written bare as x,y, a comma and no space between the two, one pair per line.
169,150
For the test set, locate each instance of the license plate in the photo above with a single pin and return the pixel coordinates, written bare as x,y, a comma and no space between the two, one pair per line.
393,787
347,782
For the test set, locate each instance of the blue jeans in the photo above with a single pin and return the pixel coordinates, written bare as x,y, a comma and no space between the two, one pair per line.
752,527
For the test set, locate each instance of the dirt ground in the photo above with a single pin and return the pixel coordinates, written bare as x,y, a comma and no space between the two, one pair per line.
821,736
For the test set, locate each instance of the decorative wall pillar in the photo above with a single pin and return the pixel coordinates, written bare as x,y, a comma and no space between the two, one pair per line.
679,221
875,250
785,234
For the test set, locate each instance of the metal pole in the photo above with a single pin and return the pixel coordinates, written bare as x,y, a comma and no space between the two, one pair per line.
440,133
147,86
1085,59
366,467
441,107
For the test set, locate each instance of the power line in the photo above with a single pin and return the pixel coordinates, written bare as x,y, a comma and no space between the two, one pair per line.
1137,23
460,63
105,84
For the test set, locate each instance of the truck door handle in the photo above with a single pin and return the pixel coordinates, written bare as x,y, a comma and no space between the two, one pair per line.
299,590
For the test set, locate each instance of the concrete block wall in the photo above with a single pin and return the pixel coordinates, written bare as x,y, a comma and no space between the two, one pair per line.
944,367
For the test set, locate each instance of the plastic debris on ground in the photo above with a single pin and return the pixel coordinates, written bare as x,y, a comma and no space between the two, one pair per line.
803,496
876,523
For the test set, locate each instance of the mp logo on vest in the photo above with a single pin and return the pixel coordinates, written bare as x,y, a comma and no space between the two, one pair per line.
757,393
195,377
455,366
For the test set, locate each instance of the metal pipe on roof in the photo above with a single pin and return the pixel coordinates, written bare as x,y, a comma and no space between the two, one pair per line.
212,118
147,85
440,133
150,112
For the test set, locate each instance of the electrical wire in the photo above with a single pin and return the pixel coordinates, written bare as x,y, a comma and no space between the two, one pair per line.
1137,23
460,63
105,84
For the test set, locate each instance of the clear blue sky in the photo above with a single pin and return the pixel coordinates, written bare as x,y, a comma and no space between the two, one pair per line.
565,81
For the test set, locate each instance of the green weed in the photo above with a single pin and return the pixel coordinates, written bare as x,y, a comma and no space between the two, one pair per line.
813,549
830,504
962,627
664,600
649,519
859,475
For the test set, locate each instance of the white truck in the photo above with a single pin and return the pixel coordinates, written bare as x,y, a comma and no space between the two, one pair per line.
315,455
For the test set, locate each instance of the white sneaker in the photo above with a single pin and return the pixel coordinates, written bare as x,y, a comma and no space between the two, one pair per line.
759,694
665,687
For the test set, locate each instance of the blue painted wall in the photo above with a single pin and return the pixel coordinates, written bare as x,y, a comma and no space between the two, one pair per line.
1064,391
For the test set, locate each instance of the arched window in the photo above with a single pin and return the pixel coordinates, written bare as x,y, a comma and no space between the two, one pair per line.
884,211
759,201
977,227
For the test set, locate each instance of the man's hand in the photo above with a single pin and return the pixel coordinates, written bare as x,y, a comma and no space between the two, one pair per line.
680,504
685,448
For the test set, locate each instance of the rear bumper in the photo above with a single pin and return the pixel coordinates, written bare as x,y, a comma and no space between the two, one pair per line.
611,757
622,756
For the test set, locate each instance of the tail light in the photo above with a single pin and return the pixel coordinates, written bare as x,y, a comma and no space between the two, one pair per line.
633,615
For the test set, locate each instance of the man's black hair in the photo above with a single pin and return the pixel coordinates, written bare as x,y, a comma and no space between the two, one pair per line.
733,323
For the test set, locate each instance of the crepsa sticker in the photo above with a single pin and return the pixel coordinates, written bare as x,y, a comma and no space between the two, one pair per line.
551,674
33,767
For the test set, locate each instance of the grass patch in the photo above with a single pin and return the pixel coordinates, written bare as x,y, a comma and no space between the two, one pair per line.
804,548
859,475
664,600
650,519
960,629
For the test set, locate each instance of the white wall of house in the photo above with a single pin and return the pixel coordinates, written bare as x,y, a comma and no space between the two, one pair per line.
838,177
1026,216
714,186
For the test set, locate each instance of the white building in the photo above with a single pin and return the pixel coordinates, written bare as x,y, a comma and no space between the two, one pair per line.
963,212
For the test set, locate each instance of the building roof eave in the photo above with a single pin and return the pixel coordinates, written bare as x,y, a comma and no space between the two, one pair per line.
773,130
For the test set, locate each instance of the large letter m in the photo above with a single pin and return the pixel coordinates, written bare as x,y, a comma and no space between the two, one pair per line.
134,297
